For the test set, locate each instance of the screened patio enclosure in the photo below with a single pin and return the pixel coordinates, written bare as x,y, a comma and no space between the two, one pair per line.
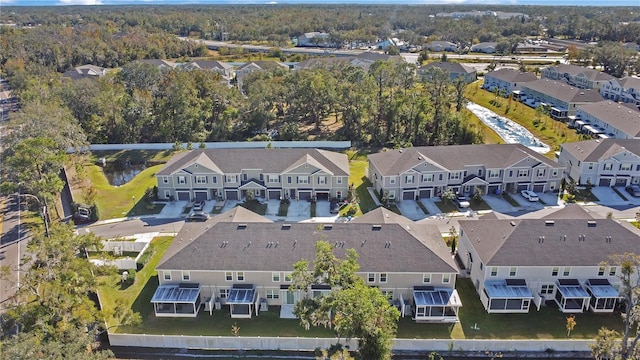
243,301
507,296
181,300
603,296
571,297
435,304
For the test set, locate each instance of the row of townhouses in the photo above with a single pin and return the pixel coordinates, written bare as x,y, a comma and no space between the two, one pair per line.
244,261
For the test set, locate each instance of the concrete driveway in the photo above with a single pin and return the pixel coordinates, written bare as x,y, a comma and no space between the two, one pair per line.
299,210
273,206
323,208
431,206
411,210
174,209
607,197
550,199
497,203
526,204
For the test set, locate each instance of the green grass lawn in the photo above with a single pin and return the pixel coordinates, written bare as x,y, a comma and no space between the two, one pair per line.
549,131
489,136
283,210
358,179
119,201
446,206
510,200
478,205
255,206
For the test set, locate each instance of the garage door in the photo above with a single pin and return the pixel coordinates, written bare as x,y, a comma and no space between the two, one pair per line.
494,189
231,194
183,195
200,195
621,181
523,187
304,195
604,182
408,195
538,188
425,194
322,195
274,194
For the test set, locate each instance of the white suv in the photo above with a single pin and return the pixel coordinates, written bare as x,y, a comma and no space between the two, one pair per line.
529,195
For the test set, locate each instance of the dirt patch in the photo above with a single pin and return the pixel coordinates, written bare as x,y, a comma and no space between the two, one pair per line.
328,129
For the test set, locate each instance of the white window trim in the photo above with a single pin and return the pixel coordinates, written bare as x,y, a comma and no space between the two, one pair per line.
446,278
426,278
241,274
166,275
274,275
226,278
339,180
371,278
383,278
186,276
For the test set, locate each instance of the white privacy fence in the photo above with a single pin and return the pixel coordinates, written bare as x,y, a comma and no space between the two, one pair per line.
223,145
310,344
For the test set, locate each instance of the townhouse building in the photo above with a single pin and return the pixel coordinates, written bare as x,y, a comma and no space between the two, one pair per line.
455,70
604,162
577,76
244,261
426,172
560,98
206,174
608,119
625,90
560,260
507,81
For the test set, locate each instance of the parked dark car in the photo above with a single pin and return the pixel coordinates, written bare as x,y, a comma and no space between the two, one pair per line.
198,205
633,190
198,216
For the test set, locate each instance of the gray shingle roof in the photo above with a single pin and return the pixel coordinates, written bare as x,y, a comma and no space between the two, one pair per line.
276,247
630,82
382,216
560,90
210,64
455,157
512,75
452,67
264,65
597,150
574,70
518,242
624,117
230,161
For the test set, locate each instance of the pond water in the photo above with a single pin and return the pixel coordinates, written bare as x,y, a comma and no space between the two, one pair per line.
508,130
118,173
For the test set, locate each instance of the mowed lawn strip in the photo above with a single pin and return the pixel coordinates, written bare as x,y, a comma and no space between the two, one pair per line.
118,201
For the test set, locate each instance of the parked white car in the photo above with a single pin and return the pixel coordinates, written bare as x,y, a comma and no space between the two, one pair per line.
529,195
462,201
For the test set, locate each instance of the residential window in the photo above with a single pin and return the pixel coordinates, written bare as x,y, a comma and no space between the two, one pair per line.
273,294
427,177
546,289
274,179
601,270
409,179
388,294
612,271
201,179
245,177
608,167
339,180
322,180
566,271
288,179
165,179
494,271
167,275
523,172
392,180
439,177
186,276
510,173
371,277
513,270
224,293
303,179
240,275
541,172
287,277
454,176
554,271
228,276
426,278
555,172
383,277
493,174
625,167
182,179
590,166
446,278
230,178
275,277
214,179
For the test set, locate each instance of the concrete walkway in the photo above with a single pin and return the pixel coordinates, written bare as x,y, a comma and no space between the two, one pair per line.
374,197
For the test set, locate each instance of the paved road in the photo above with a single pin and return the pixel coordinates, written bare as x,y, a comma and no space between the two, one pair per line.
12,245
